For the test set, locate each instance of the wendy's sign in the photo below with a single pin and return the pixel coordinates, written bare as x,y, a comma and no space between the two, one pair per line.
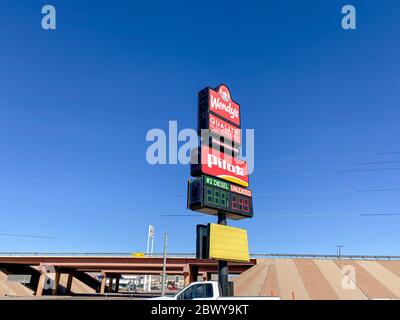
219,102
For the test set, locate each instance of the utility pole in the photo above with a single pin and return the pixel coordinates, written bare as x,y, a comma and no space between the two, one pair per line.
149,251
223,265
164,265
339,251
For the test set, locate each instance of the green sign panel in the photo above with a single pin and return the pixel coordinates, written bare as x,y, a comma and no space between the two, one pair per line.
217,183
210,195
224,199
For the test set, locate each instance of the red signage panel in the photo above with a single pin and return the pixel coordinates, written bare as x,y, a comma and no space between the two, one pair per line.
240,190
223,166
223,128
221,104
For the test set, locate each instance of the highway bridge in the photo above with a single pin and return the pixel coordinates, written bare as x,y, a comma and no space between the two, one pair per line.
289,276
74,273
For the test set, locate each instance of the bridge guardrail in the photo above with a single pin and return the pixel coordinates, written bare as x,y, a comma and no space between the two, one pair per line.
192,255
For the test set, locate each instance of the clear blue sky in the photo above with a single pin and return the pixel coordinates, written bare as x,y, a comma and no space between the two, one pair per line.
76,104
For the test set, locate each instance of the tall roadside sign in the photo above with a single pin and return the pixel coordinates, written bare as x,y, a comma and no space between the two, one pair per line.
220,182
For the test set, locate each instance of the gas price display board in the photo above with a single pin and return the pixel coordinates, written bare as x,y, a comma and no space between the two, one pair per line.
210,195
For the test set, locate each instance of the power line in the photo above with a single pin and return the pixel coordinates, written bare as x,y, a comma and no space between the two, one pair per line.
301,193
283,215
188,215
376,162
390,152
25,235
379,214
369,170
324,192
315,192
327,172
312,166
332,156
333,165
379,190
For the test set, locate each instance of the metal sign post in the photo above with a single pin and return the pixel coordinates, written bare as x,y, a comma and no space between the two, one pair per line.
163,278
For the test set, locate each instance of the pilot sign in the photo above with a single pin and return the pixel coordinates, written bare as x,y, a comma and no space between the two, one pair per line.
206,160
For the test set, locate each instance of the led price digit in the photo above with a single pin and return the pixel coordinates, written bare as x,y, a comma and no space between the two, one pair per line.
234,202
246,205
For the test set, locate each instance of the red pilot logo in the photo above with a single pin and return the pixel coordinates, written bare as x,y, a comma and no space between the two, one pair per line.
224,166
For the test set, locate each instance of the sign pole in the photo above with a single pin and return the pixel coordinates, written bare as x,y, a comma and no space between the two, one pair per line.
147,252
150,246
223,265
164,265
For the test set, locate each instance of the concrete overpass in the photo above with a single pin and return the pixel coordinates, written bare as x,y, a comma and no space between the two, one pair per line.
74,269
290,276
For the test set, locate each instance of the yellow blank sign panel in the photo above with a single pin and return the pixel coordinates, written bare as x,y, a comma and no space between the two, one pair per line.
138,254
228,243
